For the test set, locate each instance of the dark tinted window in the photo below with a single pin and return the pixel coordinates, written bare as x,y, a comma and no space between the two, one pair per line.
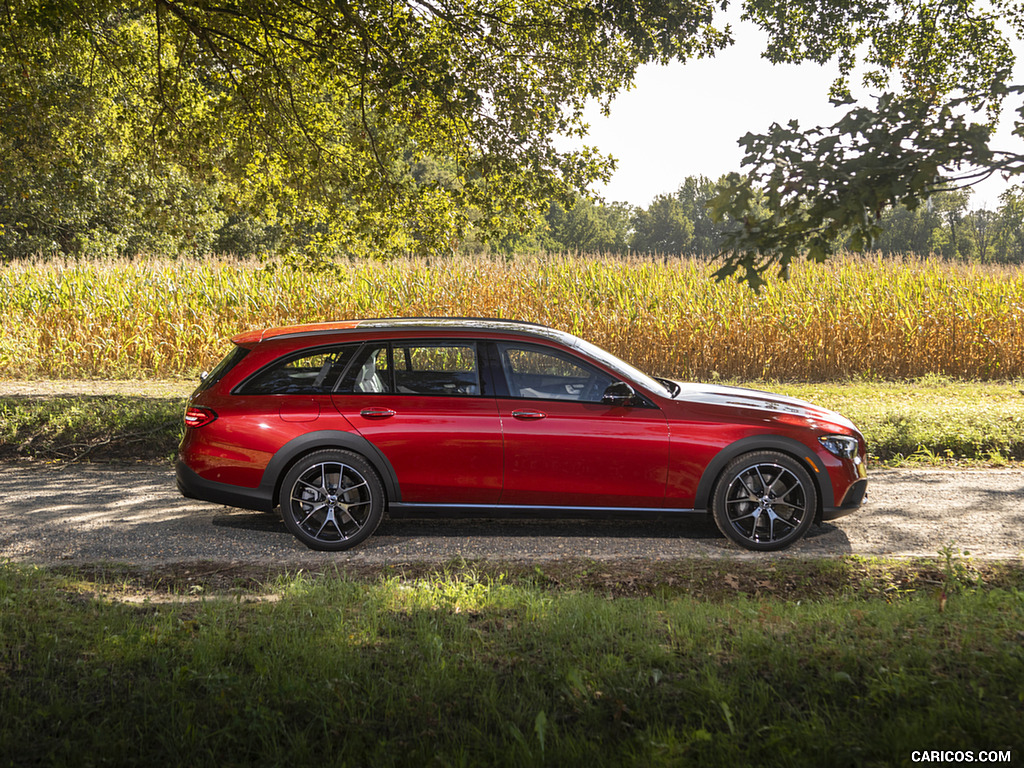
306,373
369,372
537,373
436,369
415,368
233,358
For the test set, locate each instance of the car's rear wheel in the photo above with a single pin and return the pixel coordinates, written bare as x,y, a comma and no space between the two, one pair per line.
332,500
764,501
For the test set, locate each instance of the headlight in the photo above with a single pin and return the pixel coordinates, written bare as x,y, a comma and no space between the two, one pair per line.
839,445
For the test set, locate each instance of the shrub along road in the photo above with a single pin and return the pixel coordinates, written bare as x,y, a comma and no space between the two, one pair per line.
80,514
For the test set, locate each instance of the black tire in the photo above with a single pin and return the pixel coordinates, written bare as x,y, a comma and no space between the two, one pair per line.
764,501
332,500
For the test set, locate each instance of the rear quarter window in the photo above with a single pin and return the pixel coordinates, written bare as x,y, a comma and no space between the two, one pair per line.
233,358
308,372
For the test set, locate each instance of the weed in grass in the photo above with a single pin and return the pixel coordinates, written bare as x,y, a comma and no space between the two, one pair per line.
956,567
84,428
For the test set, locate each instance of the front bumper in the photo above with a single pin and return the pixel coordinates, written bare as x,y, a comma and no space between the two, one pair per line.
854,497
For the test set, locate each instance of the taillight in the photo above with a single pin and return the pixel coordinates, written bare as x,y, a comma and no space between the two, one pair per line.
196,416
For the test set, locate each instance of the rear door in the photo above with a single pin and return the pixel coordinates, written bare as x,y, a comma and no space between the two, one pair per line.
563,447
425,405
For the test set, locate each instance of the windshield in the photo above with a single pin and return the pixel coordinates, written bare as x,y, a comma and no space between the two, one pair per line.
623,368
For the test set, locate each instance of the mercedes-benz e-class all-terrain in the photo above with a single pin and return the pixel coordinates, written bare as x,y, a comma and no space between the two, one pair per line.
337,423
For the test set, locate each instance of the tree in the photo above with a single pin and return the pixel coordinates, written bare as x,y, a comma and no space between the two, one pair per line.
681,223
664,227
317,113
695,193
902,231
1009,225
955,241
943,67
588,227
981,228
313,116
70,158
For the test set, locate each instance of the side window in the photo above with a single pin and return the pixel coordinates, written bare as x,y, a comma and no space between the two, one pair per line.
369,372
436,369
537,373
305,373
414,368
233,358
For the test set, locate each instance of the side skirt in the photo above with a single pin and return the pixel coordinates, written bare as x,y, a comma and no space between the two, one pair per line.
515,510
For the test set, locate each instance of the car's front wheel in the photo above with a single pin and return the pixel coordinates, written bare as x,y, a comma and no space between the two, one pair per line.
764,501
332,500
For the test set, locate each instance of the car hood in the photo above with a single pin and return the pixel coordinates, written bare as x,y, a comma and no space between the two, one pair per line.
760,404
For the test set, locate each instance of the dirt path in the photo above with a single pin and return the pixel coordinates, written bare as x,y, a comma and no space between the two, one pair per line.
89,514
77,387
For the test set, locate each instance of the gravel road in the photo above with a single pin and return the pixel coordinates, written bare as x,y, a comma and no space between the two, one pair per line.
88,514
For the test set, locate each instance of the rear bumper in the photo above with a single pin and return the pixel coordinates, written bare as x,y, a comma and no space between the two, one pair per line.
193,486
854,497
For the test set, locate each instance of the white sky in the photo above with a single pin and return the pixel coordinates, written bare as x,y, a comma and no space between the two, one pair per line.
685,119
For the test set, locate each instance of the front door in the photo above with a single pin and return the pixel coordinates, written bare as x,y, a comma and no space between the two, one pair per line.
563,447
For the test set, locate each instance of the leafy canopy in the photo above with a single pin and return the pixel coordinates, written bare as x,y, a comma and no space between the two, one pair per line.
943,70
378,127
322,111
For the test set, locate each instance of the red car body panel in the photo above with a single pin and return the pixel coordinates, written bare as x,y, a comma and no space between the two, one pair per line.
569,454
441,447
663,451
249,430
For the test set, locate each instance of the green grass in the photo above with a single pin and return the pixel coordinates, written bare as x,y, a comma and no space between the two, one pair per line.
931,421
482,668
90,428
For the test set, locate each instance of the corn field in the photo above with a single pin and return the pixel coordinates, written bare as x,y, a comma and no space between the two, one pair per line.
851,318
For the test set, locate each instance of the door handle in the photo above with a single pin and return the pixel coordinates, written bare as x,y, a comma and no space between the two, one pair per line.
376,413
529,415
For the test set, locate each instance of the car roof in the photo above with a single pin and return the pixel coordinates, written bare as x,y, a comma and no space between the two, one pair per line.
484,324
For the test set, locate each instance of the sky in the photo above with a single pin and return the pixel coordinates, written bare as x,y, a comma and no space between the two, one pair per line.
685,119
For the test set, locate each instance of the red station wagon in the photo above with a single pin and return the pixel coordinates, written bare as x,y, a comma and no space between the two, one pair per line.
338,422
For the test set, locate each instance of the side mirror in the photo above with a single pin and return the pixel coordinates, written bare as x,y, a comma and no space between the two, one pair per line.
618,393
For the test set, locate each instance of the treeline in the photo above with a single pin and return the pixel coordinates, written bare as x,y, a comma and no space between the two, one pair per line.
679,224
120,210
